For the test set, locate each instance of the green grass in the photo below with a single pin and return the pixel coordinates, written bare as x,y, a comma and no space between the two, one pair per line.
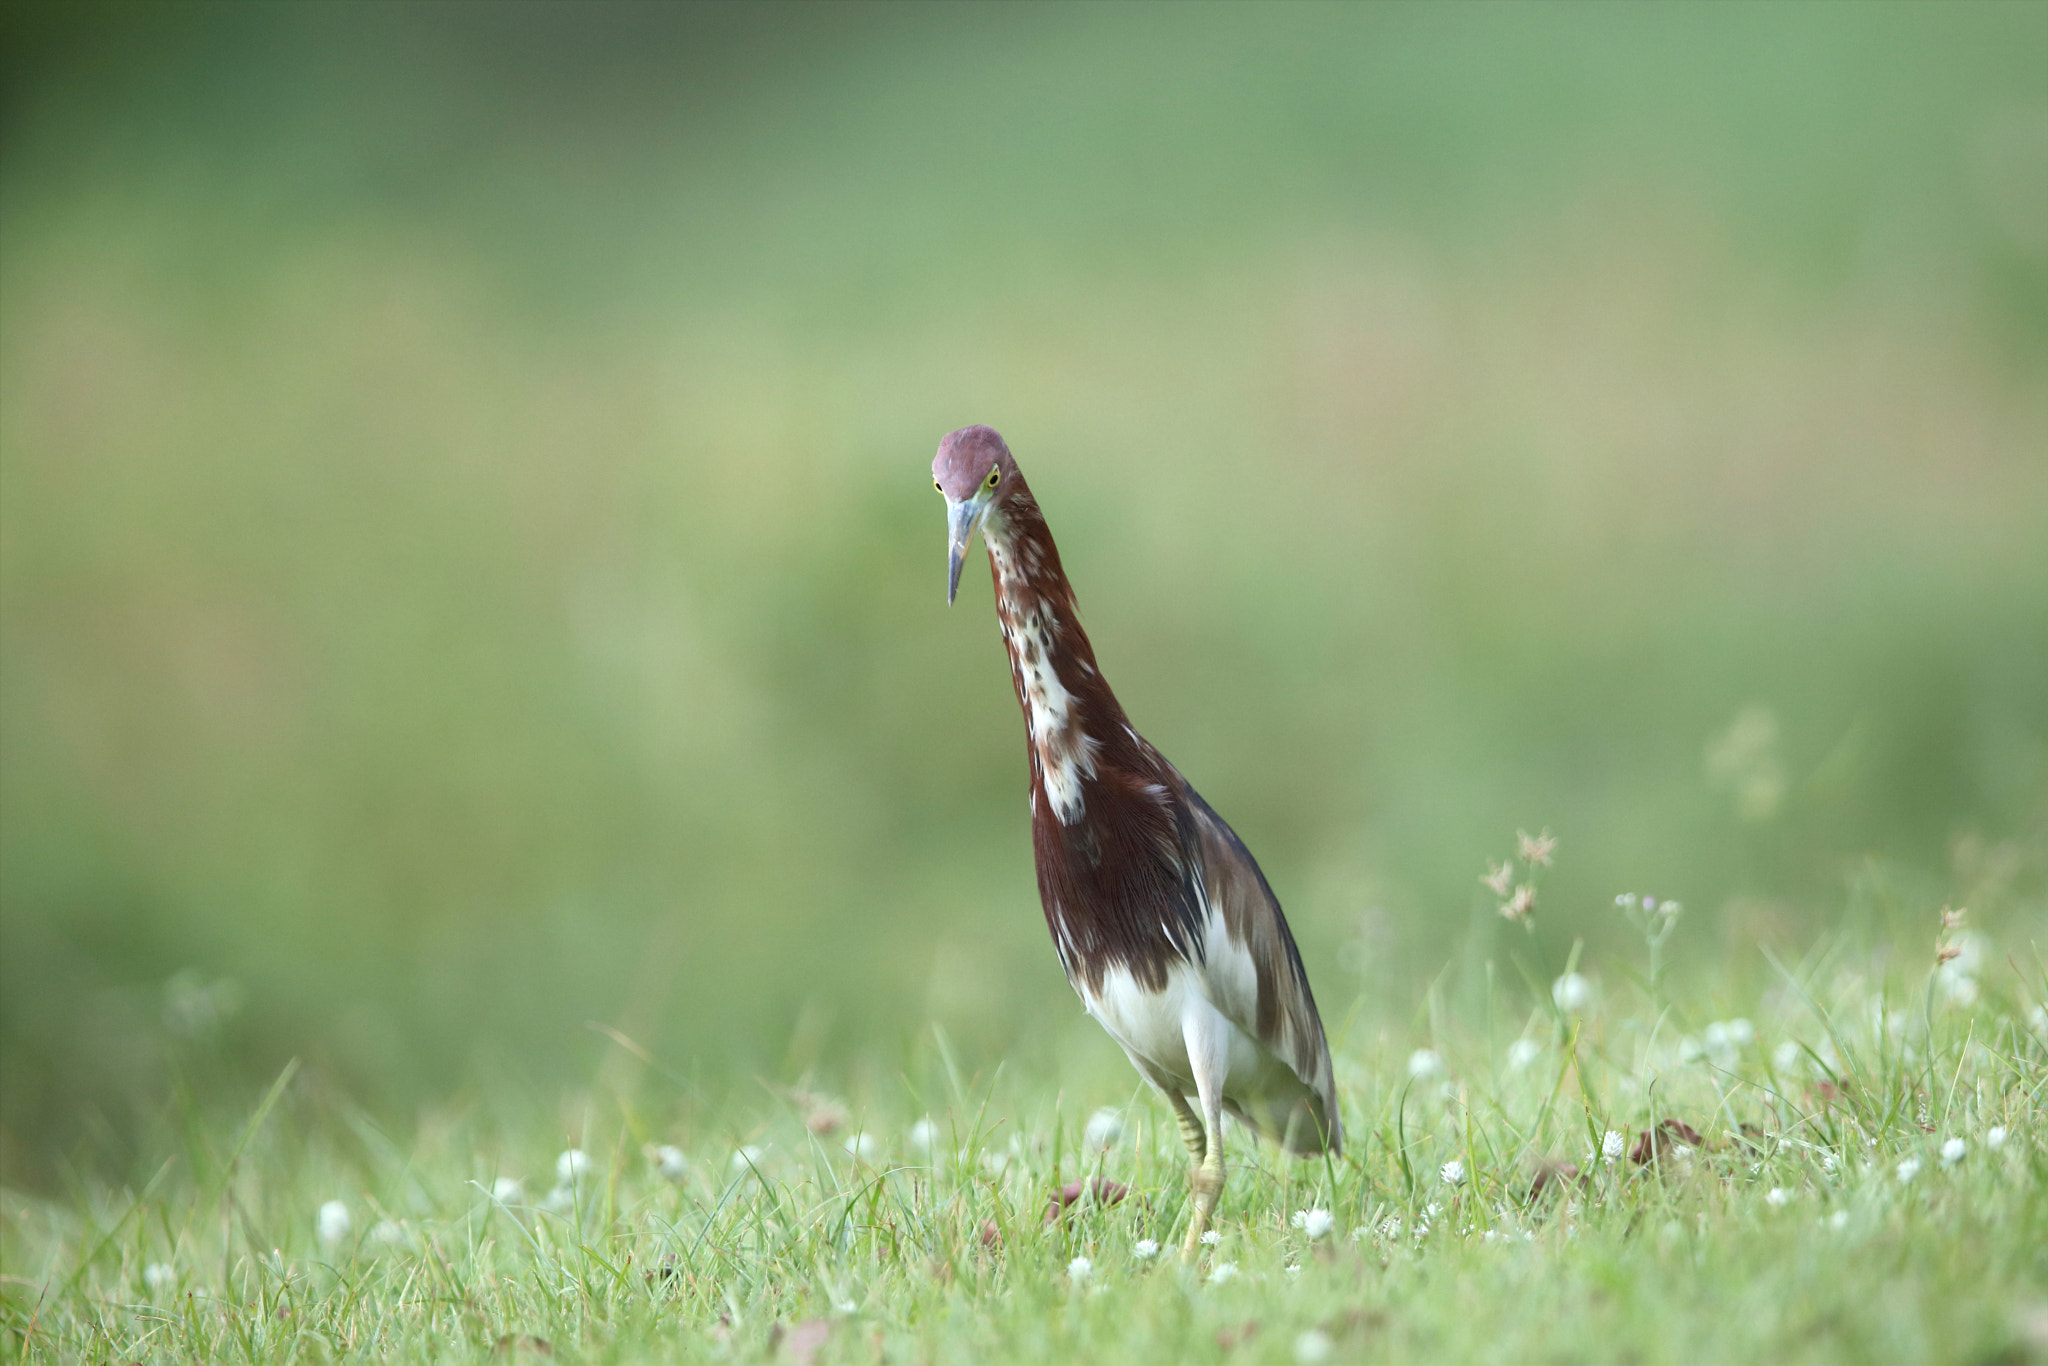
1788,1233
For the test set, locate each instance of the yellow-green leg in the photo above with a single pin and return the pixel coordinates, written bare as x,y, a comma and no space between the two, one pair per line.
1205,1181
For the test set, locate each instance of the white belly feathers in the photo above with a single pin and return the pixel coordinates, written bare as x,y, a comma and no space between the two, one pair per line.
1207,1007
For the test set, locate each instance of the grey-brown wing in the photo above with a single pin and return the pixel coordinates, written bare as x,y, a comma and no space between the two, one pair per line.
1285,1021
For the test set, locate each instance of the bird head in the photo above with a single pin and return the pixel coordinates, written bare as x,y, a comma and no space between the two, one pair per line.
974,471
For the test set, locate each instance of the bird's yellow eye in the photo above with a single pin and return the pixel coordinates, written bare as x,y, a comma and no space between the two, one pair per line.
994,475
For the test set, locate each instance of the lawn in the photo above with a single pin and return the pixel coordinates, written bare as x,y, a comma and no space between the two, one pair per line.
1853,1172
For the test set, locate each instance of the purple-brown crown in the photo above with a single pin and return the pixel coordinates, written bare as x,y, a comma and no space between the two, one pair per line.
965,460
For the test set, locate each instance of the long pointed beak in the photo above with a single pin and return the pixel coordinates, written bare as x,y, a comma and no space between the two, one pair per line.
961,519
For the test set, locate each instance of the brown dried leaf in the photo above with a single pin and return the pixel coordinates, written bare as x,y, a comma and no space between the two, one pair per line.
1661,1138
1106,1192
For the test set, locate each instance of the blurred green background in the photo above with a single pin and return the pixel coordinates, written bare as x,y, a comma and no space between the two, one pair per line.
468,566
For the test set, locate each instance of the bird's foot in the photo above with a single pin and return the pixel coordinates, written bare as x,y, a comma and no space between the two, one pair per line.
1206,1181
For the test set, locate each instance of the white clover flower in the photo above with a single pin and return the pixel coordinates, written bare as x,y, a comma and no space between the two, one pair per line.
508,1190
863,1146
1958,988
1572,993
1080,1269
1452,1172
572,1166
1425,1063
157,1275
1612,1146
1313,1347
1316,1223
1953,1152
1105,1129
1522,1052
924,1135
844,1307
1908,1169
1839,1219
1211,1238
1224,1271
333,1223
1724,1040
746,1155
1788,1059
1828,1161
1778,1197
670,1162
1390,1228
1994,1137
1145,1249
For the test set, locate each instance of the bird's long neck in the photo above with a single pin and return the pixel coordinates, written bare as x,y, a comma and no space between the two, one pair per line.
1070,715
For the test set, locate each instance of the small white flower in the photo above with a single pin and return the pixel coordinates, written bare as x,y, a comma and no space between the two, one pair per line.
745,1156
387,1234
508,1190
1452,1172
2037,1020
1105,1129
1313,1347
844,1307
1953,1152
670,1162
1778,1198
924,1135
572,1166
1908,1169
334,1223
1839,1220
560,1200
1724,1040
863,1146
1425,1063
1316,1223
1145,1249
1211,1238
1292,1269
1224,1271
1828,1161
157,1275
1572,993
1612,1146
1522,1052
1390,1228
1788,1058
1994,1137
1079,1269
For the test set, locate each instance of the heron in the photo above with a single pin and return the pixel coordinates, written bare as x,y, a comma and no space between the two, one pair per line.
1162,919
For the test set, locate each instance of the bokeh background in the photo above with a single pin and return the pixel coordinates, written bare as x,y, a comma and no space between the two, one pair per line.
468,567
